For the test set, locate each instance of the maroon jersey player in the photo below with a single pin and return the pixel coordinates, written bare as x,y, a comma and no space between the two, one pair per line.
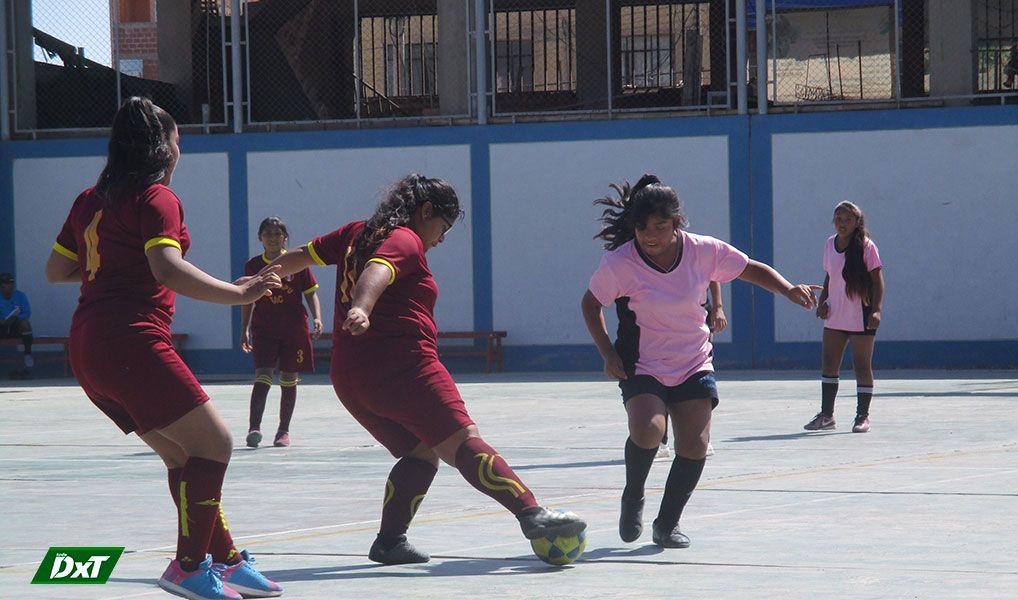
124,242
385,366
275,331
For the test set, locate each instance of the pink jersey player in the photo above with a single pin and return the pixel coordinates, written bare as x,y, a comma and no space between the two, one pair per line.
850,307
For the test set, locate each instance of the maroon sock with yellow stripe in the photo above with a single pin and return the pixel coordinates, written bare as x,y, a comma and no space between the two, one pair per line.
488,472
408,482
198,495
221,545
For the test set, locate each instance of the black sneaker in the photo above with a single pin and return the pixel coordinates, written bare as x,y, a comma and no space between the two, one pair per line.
397,551
539,522
631,519
669,537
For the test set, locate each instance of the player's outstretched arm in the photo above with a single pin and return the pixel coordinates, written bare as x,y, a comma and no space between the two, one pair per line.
370,284
766,277
170,269
294,261
60,269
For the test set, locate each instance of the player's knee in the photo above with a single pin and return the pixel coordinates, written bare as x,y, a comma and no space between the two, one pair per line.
647,434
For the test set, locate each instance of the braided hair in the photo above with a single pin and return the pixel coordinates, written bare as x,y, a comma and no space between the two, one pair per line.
630,211
139,149
855,274
405,197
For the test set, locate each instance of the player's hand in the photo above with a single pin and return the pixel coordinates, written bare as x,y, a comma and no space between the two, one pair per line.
802,295
262,284
874,321
823,311
718,320
245,342
316,329
357,321
613,366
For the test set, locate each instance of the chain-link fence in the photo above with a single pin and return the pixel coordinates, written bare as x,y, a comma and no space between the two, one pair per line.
323,60
617,55
842,54
74,63
70,64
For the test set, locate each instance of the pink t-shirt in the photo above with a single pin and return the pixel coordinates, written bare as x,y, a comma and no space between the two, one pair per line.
662,329
846,314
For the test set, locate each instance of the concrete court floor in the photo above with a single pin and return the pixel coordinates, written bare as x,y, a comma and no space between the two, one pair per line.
924,506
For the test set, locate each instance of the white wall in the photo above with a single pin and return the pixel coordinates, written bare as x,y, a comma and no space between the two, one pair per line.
318,191
940,204
45,189
543,221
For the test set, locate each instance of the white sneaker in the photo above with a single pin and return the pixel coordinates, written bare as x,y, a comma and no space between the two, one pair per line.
663,452
710,449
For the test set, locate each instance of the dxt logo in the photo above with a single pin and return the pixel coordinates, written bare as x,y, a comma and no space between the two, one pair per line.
77,565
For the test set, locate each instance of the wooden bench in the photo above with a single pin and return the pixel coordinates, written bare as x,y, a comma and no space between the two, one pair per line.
178,340
492,350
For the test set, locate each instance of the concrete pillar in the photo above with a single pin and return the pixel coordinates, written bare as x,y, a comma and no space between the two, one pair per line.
24,61
453,66
952,47
173,25
592,68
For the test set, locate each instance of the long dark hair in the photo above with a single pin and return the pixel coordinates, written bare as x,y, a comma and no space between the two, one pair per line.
630,211
139,150
857,278
273,221
403,198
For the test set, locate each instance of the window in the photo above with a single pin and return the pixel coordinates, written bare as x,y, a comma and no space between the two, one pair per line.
647,61
514,66
410,70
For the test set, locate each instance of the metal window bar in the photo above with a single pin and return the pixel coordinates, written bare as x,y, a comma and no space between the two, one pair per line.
533,56
997,48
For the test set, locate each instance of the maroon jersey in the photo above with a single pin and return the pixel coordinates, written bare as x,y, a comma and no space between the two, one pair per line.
403,318
281,315
109,244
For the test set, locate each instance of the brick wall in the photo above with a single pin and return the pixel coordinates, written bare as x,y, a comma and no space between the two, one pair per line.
140,40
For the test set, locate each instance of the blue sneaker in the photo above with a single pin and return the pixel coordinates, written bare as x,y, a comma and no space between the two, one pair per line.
244,578
201,584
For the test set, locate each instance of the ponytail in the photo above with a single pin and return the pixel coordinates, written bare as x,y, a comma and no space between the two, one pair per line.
634,205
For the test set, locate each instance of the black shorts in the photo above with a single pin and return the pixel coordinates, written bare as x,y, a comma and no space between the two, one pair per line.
701,384
869,332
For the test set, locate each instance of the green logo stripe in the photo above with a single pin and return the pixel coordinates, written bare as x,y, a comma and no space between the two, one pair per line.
77,565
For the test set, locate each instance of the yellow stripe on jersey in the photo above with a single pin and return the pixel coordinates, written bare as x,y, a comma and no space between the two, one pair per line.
392,268
64,252
314,255
162,241
266,258
311,289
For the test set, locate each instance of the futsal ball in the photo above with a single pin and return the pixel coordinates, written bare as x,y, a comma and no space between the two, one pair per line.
559,550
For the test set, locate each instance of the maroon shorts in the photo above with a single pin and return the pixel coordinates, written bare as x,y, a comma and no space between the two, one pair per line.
405,407
135,377
292,354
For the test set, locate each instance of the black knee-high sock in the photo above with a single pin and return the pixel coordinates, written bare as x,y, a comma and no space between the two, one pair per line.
863,397
828,392
26,341
259,393
638,462
682,480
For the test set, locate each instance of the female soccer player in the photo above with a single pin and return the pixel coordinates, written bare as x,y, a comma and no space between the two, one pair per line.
280,333
850,307
657,276
124,241
385,366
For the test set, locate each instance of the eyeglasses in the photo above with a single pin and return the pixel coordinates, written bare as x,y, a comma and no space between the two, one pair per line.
448,223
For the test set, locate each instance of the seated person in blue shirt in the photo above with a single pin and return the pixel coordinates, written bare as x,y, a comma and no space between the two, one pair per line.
14,314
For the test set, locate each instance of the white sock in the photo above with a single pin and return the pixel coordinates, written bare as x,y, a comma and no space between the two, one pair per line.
28,361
